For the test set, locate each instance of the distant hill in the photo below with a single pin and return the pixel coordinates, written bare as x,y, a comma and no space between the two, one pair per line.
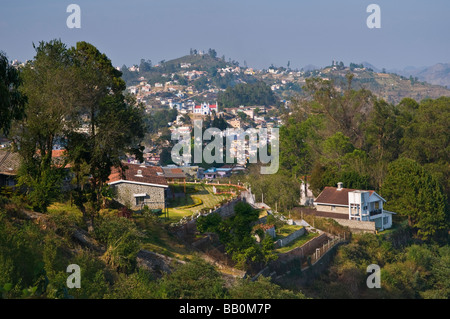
438,74
367,65
201,62
391,87
208,63
310,67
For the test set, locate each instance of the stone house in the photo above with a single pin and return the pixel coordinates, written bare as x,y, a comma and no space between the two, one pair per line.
139,185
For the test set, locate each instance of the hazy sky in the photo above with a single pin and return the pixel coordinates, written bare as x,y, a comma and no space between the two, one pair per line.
260,32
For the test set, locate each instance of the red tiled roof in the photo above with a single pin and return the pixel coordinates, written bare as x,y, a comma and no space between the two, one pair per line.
148,174
331,195
173,172
211,106
58,153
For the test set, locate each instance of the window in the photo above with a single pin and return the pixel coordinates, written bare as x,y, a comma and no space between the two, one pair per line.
385,220
377,205
140,200
333,208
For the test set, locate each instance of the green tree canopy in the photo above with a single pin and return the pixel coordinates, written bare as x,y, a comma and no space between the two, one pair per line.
113,123
413,192
51,109
12,101
247,94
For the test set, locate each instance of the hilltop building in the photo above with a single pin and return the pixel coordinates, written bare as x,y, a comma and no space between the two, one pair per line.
205,109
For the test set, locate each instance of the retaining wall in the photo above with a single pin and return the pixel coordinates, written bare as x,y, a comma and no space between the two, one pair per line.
357,226
287,240
190,227
305,250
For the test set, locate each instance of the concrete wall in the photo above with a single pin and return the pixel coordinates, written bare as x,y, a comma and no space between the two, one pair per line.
291,262
125,195
357,226
329,208
294,277
306,249
285,241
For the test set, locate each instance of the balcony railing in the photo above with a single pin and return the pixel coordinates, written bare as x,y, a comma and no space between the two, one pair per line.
375,212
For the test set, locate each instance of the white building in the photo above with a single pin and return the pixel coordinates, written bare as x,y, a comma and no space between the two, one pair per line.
204,109
354,204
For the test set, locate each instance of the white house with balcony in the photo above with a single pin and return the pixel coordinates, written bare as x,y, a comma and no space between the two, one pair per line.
353,204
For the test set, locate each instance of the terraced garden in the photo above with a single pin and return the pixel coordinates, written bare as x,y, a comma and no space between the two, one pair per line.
198,197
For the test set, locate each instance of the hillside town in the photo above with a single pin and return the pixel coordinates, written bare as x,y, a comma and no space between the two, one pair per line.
201,178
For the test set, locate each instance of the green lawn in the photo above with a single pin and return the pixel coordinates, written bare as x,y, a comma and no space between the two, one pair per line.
202,192
286,230
297,243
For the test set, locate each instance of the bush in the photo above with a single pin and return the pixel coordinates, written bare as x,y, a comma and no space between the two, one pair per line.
197,202
121,239
124,212
138,285
208,223
194,280
262,288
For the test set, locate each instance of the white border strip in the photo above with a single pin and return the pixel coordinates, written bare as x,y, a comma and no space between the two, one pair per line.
138,183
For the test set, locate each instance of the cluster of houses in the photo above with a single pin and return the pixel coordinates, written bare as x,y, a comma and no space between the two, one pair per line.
170,89
147,185
137,186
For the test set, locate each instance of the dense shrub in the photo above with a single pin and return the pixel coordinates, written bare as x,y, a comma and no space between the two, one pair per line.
120,237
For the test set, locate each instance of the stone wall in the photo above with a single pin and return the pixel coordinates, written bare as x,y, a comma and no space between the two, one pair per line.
227,209
125,195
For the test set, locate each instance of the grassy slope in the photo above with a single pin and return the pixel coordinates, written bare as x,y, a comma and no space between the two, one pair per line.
155,237
204,193
297,243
